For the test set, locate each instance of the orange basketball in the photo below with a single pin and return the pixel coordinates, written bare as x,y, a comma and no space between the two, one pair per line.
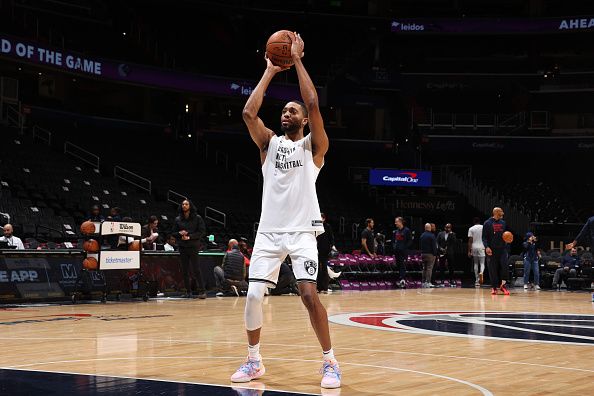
91,246
90,263
87,228
134,245
508,237
278,48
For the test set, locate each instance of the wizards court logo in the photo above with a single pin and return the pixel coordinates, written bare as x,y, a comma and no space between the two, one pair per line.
510,326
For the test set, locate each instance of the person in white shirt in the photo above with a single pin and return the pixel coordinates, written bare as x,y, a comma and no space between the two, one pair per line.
290,218
11,239
476,250
170,244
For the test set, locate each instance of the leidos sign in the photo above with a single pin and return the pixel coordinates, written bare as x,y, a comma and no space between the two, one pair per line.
491,25
407,27
393,177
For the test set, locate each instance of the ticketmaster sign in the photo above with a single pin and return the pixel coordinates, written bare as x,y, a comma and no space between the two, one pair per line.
401,178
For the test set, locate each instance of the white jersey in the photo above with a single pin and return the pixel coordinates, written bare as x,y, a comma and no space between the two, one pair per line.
476,232
289,199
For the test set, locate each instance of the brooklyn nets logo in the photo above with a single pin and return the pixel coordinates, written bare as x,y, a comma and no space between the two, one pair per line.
510,326
310,266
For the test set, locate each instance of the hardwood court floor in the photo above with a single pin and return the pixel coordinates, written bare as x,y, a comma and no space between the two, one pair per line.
202,341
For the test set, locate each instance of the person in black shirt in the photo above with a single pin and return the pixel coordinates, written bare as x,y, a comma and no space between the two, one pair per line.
149,233
496,250
570,265
368,239
446,243
401,242
231,274
325,245
95,214
188,230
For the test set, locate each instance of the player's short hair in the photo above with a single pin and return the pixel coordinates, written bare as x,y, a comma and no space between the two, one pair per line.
400,219
368,221
302,105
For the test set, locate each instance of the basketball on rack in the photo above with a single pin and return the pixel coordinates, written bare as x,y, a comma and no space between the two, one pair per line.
134,245
87,228
91,246
90,263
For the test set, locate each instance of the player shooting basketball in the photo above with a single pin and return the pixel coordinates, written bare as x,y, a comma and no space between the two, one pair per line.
290,218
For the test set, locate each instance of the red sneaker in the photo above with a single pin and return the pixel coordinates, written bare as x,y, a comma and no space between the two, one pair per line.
504,289
493,291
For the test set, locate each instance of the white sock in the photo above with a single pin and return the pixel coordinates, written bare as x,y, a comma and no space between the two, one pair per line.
329,355
254,352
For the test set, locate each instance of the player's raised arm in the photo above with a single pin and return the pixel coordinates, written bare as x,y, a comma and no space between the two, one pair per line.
309,95
258,131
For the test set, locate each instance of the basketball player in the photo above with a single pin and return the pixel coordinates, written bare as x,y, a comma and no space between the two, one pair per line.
476,250
290,216
496,249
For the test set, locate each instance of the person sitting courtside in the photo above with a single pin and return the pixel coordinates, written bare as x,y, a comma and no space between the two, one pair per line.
570,265
149,233
95,214
230,276
170,245
13,241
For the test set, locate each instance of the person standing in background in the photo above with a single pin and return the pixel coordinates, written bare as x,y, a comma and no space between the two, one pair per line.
447,243
325,245
531,256
428,253
401,242
188,230
368,239
476,250
496,249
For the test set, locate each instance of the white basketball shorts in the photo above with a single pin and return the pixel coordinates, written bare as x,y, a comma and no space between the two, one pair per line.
271,249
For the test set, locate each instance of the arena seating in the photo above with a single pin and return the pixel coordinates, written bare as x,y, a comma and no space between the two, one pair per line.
47,194
549,262
361,272
61,189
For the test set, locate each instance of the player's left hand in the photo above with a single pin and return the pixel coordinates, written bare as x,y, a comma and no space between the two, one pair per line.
297,47
273,68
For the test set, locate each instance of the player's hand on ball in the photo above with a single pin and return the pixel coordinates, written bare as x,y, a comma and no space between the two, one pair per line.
273,68
297,47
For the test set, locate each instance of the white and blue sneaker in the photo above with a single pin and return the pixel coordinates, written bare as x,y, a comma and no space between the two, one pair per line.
248,371
331,374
